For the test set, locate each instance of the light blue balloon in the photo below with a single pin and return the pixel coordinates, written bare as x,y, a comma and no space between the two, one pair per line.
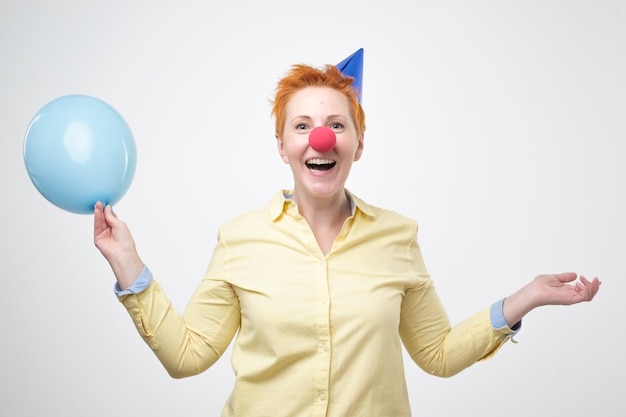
79,150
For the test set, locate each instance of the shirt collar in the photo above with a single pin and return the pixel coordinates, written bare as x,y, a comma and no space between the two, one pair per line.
277,205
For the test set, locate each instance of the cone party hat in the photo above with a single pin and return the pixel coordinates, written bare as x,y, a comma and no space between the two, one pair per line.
352,66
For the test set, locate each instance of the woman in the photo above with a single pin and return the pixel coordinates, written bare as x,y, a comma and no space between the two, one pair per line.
321,289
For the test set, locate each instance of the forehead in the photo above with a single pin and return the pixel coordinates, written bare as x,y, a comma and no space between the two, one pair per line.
318,99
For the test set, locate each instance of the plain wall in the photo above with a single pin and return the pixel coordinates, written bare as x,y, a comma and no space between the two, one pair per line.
499,126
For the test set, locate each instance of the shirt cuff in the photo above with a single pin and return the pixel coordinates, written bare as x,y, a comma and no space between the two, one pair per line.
142,282
498,321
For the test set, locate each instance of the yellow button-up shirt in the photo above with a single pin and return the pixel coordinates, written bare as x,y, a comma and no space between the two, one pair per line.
315,335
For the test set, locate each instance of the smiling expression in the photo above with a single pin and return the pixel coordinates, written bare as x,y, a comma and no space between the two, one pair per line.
319,174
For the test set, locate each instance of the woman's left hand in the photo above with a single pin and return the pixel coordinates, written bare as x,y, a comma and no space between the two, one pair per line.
564,289
549,289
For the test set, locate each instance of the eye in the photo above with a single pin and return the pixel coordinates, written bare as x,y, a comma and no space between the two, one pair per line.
301,126
336,126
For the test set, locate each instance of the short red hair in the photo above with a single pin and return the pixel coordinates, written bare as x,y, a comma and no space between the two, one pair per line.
301,76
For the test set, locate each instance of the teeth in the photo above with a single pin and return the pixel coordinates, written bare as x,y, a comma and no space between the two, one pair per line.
319,161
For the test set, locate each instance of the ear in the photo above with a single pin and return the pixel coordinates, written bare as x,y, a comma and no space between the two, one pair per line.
281,149
359,149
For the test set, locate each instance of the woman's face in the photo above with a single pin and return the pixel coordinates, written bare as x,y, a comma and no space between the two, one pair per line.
319,174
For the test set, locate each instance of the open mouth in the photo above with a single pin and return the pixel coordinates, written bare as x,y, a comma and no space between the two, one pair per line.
320,164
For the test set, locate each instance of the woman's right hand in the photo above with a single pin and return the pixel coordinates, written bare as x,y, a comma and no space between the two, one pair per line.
114,240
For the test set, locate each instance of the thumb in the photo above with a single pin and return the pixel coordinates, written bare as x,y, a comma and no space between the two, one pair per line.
566,276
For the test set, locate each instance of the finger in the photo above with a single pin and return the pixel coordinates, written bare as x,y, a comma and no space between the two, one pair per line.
592,287
588,288
98,220
110,217
595,285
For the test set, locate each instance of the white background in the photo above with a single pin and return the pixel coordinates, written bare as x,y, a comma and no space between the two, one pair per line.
500,126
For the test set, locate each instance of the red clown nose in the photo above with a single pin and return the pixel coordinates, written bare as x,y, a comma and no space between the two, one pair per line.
322,139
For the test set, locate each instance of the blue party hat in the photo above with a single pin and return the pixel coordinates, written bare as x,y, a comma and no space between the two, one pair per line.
352,66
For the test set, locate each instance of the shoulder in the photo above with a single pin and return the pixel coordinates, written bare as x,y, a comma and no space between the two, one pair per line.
255,219
378,213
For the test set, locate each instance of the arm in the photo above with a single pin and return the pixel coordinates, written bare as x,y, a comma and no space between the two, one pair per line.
435,345
549,289
188,344
444,350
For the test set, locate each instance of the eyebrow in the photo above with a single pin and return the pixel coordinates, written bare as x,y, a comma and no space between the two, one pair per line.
330,116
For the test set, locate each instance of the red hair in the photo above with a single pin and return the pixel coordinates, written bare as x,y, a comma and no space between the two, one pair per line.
301,76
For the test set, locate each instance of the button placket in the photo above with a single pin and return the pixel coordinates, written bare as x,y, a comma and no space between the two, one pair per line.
322,326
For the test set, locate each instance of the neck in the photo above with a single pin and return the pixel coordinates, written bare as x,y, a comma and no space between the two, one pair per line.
324,216
324,212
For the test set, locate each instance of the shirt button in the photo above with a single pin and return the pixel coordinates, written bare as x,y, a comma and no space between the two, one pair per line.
325,347
322,397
